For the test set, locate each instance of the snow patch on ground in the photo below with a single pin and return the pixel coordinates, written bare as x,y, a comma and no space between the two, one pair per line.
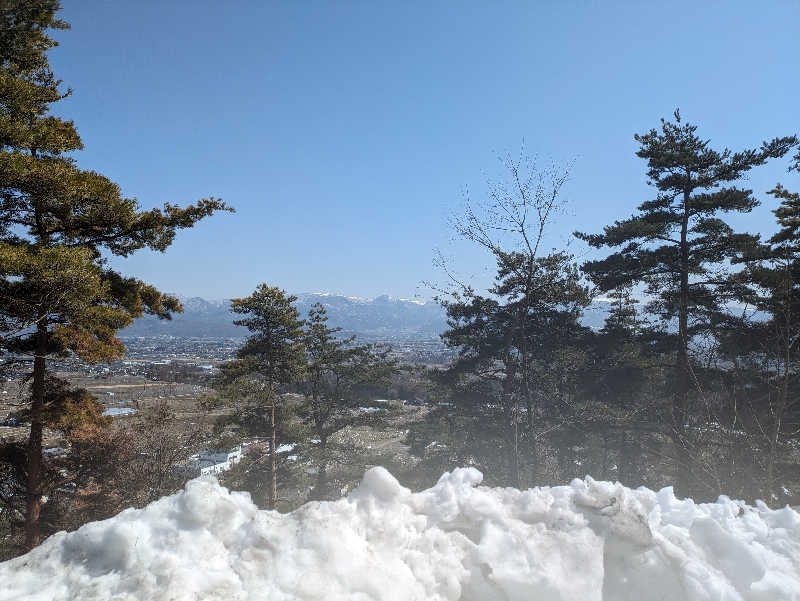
588,541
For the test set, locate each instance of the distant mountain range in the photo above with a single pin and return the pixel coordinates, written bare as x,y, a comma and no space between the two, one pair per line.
375,318
381,318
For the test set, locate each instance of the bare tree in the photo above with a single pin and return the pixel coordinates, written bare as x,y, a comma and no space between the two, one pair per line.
499,333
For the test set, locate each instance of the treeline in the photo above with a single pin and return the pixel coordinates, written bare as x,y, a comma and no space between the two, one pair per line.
693,380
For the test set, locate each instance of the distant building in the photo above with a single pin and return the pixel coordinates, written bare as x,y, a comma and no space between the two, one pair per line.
119,411
212,462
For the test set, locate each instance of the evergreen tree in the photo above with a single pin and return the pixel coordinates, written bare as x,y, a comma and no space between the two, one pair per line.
771,281
622,320
335,370
617,350
273,355
677,244
57,294
258,410
621,382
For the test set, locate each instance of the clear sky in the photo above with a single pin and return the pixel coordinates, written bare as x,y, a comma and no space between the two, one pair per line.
344,133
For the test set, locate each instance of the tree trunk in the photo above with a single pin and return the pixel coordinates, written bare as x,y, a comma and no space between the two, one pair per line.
680,403
513,413
273,463
34,483
783,395
531,445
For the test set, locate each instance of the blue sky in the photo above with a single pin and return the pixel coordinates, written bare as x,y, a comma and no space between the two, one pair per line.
345,133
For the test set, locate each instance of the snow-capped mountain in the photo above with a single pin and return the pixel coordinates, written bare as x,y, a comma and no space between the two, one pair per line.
382,317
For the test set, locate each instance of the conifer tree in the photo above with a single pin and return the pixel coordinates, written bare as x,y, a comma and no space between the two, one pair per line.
676,244
271,356
618,350
335,370
771,285
57,294
623,320
623,373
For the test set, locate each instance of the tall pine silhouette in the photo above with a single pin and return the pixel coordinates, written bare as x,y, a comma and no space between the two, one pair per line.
677,244
57,294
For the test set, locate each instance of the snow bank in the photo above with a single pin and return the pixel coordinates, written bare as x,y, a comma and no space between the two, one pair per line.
588,541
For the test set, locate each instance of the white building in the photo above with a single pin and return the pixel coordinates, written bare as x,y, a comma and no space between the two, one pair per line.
212,462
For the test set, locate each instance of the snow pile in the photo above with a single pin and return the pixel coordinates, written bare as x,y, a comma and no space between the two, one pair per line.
588,541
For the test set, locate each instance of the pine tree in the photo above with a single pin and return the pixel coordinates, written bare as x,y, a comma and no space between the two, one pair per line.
622,378
622,320
271,356
618,351
335,370
771,281
677,243
57,294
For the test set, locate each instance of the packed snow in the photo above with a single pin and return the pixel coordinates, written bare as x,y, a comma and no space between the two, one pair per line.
588,541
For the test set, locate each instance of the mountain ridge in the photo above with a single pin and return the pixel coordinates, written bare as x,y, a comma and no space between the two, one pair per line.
381,318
